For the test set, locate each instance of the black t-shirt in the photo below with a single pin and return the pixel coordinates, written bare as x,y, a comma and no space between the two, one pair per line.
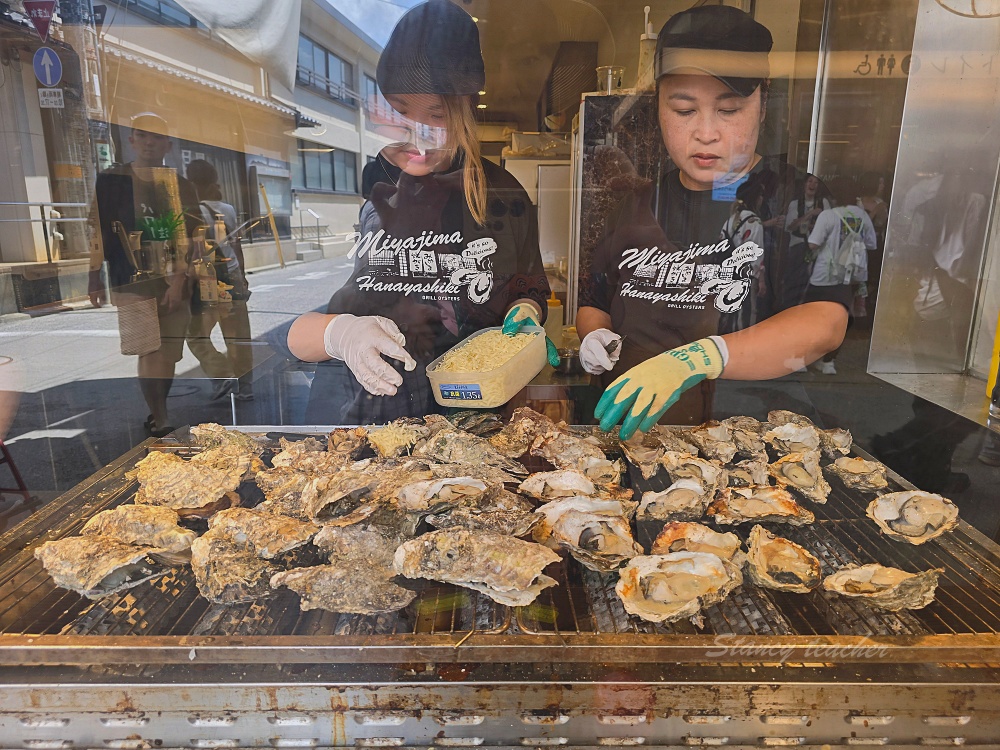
422,261
677,265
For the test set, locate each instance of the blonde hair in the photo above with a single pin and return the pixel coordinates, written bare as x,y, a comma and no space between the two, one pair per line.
463,138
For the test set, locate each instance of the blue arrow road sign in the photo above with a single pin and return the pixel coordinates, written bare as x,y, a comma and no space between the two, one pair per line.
48,68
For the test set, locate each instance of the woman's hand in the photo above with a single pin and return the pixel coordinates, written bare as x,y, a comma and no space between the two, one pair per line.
361,342
644,393
594,355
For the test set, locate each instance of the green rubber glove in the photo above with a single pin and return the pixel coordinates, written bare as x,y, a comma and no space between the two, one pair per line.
646,391
523,314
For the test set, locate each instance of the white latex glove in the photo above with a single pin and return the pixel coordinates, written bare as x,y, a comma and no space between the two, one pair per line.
593,357
361,342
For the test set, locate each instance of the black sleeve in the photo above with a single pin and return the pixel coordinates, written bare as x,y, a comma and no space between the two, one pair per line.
841,293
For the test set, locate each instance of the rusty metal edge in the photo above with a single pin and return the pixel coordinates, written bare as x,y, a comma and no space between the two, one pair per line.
27,650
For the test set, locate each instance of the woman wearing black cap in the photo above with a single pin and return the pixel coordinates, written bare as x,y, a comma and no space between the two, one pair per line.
666,279
448,249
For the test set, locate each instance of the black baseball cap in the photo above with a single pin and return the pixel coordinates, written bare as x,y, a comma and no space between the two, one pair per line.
719,40
434,49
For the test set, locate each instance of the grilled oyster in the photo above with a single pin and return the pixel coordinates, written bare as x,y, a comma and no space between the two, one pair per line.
364,544
348,444
269,535
600,471
664,588
283,489
694,537
777,563
358,491
435,495
489,474
230,458
714,441
672,438
886,588
684,500
793,438
481,423
309,456
746,432
644,452
397,437
913,516
507,570
567,451
593,531
682,466
143,525
552,485
344,588
454,446
96,566
211,435
835,443
858,474
524,426
761,504
779,417
748,472
291,450
801,472
228,572
496,510
190,489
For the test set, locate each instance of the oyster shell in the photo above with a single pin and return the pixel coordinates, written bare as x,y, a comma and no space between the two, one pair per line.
748,472
230,458
801,472
761,504
778,563
364,544
309,457
524,426
348,444
644,452
291,450
228,572
344,588
496,510
684,500
552,485
283,489
746,432
481,423
454,446
506,569
169,481
682,466
886,588
793,438
435,495
835,442
96,566
269,535
568,451
142,525
673,439
913,516
695,537
714,441
397,437
779,417
594,532
489,474
210,435
858,474
358,491
600,471
664,588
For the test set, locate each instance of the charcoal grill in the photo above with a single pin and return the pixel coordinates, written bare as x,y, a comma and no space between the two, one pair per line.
161,665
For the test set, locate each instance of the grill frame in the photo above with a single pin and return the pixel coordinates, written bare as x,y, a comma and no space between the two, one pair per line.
488,633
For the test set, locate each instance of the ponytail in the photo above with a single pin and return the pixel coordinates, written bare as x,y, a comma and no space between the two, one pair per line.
463,139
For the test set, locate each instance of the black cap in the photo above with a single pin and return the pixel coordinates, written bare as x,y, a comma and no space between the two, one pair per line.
434,49
719,40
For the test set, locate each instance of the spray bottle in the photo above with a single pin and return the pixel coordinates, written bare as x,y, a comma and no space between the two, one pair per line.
647,56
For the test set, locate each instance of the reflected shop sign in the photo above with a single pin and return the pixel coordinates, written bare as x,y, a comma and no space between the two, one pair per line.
40,13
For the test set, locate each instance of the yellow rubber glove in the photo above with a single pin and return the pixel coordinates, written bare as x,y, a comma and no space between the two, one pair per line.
523,314
646,391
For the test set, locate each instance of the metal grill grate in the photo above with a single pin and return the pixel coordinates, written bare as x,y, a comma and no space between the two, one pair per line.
583,604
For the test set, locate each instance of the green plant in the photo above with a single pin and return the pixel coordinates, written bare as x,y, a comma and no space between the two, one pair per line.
166,226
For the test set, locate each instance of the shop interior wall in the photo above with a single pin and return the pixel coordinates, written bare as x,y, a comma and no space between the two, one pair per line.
944,192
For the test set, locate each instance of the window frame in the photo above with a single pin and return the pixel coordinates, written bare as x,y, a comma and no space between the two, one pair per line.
340,88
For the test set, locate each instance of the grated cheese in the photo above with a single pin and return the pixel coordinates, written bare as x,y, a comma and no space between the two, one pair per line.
484,353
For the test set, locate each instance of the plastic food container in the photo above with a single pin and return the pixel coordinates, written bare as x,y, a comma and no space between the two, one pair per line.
485,390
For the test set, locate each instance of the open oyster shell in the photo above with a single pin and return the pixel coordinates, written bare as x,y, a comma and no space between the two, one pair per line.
506,569
594,532
748,472
695,537
792,437
886,588
496,510
761,504
142,525
97,566
568,451
552,485
778,563
644,452
269,535
683,466
714,441
664,588
347,443
435,495
524,426
859,474
913,516
835,442
778,417
684,500
228,572
169,481
801,473
344,588
747,432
